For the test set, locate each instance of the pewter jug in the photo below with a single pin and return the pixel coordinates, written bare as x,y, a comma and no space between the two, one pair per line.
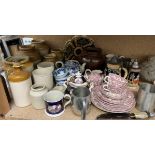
81,101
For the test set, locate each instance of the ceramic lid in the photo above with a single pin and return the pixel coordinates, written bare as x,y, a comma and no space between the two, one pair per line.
16,59
77,79
135,64
18,75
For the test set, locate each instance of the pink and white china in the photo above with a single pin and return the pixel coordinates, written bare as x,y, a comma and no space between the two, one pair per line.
110,103
114,83
94,76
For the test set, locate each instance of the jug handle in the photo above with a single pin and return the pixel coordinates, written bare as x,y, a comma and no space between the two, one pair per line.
57,64
87,72
67,102
83,113
125,71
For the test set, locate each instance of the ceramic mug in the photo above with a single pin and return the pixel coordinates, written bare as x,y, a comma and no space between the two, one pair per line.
43,77
46,65
55,104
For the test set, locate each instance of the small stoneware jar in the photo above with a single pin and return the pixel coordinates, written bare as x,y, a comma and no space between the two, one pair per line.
41,46
36,93
29,50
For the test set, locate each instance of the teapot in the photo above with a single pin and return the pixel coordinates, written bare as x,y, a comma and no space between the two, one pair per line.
73,66
94,76
92,56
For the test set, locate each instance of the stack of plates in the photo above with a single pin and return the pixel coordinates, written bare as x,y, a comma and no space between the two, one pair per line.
124,102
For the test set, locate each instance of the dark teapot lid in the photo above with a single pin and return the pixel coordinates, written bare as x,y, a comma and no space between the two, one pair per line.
114,60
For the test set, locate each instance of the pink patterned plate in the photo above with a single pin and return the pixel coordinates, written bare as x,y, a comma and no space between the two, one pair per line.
124,105
126,97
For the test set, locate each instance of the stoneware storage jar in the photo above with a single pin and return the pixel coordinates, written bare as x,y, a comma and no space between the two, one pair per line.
36,94
20,84
26,64
29,50
43,76
41,46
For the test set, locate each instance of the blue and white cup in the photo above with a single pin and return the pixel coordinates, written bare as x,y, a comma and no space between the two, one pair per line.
55,102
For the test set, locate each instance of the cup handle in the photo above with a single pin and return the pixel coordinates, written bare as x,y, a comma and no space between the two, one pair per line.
91,86
87,72
106,79
125,71
59,63
105,87
65,84
67,102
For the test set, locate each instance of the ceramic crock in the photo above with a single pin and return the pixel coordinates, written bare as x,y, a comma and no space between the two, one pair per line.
43,76
29,50
23,60
20,84
41,46
36,93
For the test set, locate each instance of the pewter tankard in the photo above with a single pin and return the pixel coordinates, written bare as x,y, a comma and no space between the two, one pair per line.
146,98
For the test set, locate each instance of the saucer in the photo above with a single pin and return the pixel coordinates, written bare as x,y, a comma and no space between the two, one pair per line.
104,103
54,115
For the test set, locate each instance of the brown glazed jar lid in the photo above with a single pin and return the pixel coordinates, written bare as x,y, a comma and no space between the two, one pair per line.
18,75
26,47
34,41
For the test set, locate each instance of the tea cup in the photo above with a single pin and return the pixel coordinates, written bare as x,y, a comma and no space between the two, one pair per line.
115,81
55,104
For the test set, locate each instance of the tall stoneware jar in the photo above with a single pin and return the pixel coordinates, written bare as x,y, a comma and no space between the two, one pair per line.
36,94
41,46
20,84
29,50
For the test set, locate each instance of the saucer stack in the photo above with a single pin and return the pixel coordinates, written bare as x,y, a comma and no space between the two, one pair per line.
116,98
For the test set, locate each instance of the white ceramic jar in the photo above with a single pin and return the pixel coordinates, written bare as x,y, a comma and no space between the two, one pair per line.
43,76
20,84
36,94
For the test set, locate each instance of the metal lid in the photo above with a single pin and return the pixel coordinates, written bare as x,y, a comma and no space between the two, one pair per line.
135,64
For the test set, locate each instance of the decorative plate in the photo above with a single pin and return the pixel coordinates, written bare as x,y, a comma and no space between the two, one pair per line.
77,43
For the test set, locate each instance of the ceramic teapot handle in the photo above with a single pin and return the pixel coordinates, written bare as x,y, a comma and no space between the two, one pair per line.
59,63
69,99
87,72
125,72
